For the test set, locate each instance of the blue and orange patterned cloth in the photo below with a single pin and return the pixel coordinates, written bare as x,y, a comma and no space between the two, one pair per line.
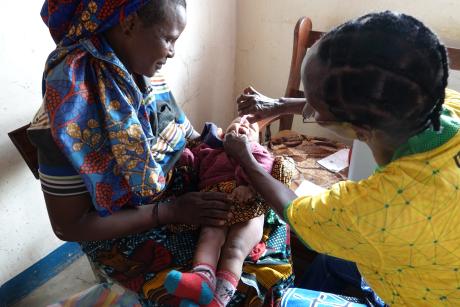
72,20
123,139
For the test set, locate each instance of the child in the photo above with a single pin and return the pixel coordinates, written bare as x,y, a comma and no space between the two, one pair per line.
224,248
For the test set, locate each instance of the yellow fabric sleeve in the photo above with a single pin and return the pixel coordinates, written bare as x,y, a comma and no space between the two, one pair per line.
452,102
332,223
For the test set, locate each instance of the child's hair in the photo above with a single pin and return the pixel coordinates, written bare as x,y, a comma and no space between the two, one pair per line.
388,71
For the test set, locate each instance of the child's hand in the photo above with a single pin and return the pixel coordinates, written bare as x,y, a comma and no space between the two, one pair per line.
242,194
220,133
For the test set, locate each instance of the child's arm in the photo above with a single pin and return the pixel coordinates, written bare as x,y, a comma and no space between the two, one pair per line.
273,191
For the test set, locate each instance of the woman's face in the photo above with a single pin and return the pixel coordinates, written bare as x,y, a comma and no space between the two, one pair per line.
150,46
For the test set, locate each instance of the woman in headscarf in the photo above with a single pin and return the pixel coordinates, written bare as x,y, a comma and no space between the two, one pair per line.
108,136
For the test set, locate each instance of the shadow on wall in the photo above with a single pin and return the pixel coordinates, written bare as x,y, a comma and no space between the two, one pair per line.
454,80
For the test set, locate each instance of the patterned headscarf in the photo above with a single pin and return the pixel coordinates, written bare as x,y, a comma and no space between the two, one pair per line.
104,124
72,20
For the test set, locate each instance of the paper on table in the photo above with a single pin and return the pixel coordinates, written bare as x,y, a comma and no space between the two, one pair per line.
308,188
337,161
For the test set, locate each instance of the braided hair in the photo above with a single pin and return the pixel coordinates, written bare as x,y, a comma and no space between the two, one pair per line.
154,11
387,71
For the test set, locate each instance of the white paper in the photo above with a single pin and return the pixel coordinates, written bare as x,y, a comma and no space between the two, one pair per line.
337,161
307,188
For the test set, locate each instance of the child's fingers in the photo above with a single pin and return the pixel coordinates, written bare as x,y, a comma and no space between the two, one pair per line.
249,90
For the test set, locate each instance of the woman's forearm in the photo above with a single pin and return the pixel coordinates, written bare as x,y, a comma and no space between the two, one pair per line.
292,105
73,222
284,106
120,224
276,194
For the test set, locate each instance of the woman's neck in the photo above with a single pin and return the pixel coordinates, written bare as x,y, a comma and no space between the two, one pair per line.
384,146
117,41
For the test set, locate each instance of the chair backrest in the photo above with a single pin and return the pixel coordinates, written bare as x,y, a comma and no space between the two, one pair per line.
454,58
304,38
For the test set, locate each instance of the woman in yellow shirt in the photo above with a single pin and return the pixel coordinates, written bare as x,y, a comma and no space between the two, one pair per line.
382,79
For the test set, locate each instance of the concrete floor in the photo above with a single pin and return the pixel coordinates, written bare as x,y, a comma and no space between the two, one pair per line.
75,278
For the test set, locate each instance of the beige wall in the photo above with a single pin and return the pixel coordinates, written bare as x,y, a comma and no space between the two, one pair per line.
265,30
202,74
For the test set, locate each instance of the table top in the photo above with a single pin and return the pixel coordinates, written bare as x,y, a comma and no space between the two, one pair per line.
306,151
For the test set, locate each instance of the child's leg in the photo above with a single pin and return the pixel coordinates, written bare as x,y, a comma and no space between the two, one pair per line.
199,285
209,245
241,239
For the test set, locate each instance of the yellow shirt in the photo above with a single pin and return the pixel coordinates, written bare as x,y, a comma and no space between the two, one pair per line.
402,225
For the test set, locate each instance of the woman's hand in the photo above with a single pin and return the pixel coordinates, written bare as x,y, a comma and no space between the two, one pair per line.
258,105
275,193
238,147
242,194
201,208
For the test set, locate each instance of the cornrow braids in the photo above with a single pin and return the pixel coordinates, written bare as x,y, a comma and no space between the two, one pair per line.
435,115
387,71
154,11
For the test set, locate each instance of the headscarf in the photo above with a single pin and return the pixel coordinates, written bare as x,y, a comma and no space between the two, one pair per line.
72,20
103,123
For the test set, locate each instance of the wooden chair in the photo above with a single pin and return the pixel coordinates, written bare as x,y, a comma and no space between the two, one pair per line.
304,38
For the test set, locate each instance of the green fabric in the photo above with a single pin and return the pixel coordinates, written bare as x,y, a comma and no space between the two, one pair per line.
429,139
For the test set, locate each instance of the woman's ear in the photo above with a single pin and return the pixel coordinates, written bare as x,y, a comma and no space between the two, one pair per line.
363,133
129,23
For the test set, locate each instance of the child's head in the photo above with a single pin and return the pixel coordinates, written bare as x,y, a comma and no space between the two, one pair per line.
241,125
383,71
